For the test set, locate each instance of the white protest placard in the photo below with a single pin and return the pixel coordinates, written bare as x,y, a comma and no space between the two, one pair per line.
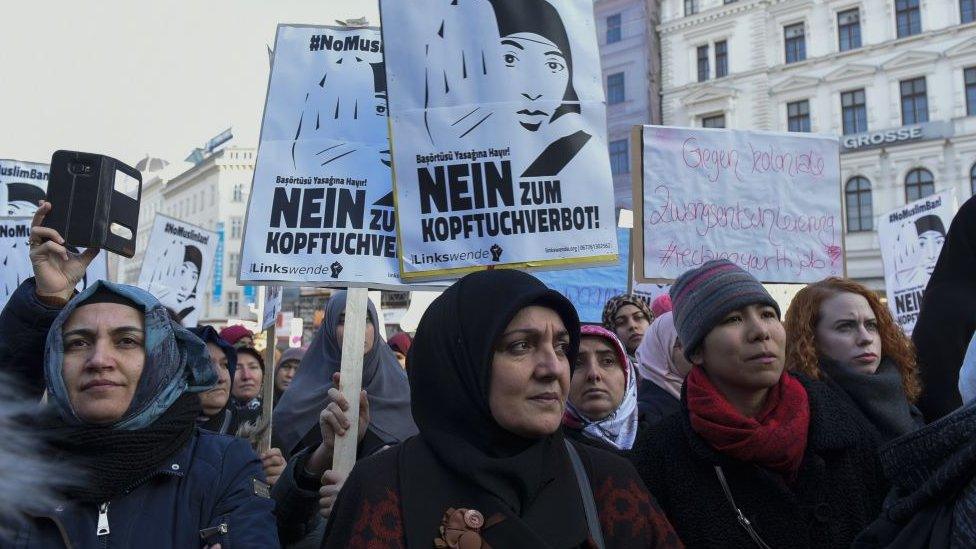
498,126
179,266
15,264
768,202
321,205
22,185
272,306
911,238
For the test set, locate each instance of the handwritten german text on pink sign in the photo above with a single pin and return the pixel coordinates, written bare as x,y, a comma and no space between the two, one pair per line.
768,202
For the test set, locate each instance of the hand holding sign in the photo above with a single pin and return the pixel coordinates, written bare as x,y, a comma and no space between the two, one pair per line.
56,270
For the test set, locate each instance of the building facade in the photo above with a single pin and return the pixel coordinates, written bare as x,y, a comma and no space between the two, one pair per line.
631,67
211,194
894,79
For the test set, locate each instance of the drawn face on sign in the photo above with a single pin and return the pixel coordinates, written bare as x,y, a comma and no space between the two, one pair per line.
535,48
542,72
188,276
931,237
22,199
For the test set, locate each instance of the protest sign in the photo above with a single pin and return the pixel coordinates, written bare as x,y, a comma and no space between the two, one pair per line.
911,238
15,263
498,127
650,292
179,267
22,185
321,205
272,306
768,202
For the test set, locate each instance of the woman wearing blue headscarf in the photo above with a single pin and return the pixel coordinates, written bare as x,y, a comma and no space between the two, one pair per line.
123,384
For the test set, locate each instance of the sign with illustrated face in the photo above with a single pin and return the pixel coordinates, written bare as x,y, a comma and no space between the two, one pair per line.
911,239
321,206
15,263
177,270
768,202
22,186
498,126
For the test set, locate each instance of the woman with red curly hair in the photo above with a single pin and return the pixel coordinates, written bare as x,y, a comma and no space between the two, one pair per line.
839,331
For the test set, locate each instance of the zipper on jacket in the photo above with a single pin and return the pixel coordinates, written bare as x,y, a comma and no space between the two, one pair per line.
103,529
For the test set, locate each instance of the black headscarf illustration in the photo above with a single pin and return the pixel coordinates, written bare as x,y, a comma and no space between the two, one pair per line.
25,194
539,17
928,223
380,109
192,255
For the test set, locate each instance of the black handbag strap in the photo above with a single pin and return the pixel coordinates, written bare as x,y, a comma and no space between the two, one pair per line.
743,521
589,505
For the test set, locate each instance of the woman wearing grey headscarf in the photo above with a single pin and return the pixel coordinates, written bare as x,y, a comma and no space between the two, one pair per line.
299,431
123,384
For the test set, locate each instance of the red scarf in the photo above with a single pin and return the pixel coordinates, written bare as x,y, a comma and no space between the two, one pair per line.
775,439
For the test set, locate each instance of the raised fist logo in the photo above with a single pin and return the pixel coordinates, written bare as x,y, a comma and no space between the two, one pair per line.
336,269
496,252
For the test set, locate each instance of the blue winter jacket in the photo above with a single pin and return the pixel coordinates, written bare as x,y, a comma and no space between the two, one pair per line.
212,491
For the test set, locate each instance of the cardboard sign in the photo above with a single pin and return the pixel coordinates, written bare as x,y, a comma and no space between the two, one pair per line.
179,268
22,185
15,263
499,136
272,306
321,206
911,239
768,202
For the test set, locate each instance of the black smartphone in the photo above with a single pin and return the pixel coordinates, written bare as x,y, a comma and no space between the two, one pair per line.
94,201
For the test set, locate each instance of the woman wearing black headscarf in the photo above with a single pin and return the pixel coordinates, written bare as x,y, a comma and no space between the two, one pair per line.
489,377
948,317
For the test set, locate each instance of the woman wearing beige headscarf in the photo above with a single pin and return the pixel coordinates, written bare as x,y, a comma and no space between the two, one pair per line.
663,368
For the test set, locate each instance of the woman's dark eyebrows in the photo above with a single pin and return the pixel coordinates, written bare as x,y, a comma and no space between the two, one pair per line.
80,331
555,52
513,43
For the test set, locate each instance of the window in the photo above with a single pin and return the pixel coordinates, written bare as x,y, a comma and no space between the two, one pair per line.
721,59
972,179
796,46
908,18
729,1
914,104
918,184
967,11
849,30
702,63
691,7
238,193
213,195
615,88
236,227
798,116
613,28
619,163
970,77
714,121
855,111
857,194
233,262
233,302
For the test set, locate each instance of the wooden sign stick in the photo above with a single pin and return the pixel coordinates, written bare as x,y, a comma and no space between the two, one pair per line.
351,378
267,392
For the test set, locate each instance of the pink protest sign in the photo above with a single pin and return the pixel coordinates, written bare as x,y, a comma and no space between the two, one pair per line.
769,202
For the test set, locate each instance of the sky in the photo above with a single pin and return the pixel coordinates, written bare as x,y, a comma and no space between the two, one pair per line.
128,78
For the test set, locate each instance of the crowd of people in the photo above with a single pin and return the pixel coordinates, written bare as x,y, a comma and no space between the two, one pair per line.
707,418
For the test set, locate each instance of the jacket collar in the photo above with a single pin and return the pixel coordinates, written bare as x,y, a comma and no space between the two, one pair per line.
178,465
